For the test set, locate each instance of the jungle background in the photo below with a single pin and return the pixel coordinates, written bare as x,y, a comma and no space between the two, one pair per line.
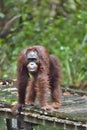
59,25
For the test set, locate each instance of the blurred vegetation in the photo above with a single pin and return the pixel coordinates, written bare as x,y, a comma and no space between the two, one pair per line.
59,25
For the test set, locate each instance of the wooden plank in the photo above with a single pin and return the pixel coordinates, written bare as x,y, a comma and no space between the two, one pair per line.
71,115
44,118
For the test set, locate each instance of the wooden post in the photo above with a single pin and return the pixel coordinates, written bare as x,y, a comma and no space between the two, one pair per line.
18,124
9,124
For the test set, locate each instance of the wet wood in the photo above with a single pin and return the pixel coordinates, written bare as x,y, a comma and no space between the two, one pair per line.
71,115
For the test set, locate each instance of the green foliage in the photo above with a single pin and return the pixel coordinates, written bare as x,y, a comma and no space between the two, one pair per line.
63,31
46,128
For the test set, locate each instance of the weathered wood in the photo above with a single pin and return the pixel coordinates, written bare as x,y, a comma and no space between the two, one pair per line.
71,115
9,124
74,91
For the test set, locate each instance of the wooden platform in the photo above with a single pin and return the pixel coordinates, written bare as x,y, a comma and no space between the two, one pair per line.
72,115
